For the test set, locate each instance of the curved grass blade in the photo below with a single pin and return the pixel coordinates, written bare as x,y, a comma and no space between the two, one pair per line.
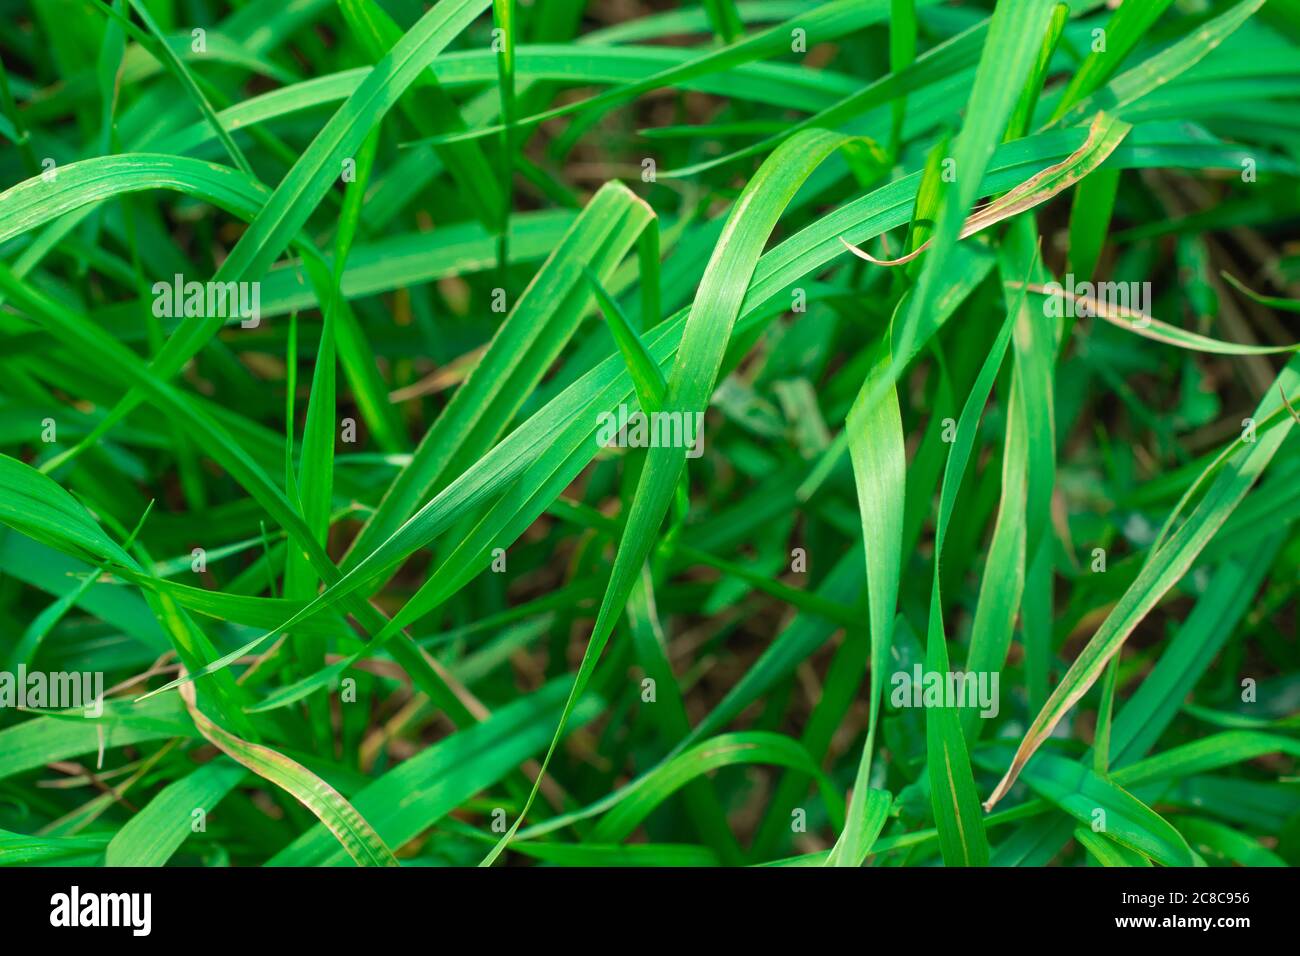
1272,301
722,751
1104,135
1151,328
1123,818
704,339
352,831
1162,569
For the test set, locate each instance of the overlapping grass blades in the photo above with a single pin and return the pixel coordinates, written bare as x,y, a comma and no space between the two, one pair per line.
405,589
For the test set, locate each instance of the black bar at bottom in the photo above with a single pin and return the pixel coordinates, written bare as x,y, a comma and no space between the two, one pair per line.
335,906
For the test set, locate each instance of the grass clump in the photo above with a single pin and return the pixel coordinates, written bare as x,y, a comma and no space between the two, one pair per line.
724,433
